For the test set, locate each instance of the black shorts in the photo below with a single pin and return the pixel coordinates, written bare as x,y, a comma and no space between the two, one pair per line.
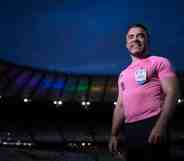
136,141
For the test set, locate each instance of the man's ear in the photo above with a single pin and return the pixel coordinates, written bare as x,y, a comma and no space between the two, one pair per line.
126,45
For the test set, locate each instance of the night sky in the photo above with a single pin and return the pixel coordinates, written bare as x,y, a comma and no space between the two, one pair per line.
87,36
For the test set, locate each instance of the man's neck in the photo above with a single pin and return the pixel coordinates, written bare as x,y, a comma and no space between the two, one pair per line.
137,58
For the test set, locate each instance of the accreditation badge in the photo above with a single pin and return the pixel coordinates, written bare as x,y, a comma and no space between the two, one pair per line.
140,76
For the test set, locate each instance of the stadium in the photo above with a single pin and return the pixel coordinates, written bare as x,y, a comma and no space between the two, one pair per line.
59,67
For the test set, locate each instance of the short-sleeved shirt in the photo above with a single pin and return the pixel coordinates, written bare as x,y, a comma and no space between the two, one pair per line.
140,87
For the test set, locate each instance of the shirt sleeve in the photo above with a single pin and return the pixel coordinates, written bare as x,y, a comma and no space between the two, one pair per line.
165,69
120,85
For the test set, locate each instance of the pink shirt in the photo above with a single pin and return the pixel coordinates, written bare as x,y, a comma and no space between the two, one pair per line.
140,87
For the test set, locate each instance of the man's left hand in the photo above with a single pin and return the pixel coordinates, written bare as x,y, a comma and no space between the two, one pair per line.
157,135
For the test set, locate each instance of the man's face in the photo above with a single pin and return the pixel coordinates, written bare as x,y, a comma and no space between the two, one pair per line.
136,41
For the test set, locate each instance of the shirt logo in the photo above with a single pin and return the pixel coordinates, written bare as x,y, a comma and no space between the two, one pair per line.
140,76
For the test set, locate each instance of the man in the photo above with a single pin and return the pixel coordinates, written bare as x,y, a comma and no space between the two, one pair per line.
146,101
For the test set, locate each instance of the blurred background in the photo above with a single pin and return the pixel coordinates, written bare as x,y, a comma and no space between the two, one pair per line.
59,65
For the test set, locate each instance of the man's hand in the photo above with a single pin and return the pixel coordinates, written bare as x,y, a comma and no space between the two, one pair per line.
170,87
113,144
113,148
158,134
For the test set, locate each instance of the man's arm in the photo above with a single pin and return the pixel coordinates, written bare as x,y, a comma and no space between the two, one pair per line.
170,88
117,121
118,117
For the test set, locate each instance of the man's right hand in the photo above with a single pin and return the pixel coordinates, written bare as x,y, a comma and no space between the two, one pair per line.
113,144
113,148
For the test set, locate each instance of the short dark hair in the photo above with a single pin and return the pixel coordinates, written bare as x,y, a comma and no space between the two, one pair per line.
140,26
